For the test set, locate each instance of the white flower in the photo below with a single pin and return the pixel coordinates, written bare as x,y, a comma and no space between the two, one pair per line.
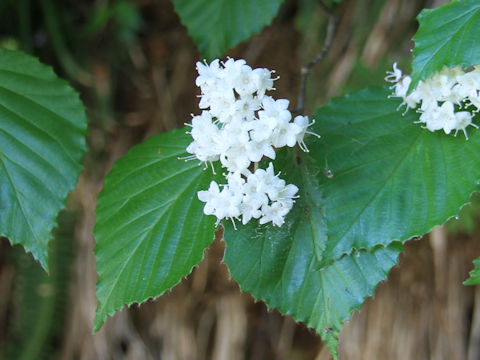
201,125
277,109
232,69
235,182
246,106
229,204
209,196
303,124
237,131
468,84
207,74
395,75
251,205
257,150
285,134
286,195
235,159
202,153
440,97
262,128
436,118
412,99
462,120
269,183
223,106
222,204
401,87
244,83
274,213
264,81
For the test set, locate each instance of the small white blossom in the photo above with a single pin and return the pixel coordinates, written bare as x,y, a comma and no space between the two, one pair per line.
246,106
262,129
274,213
257,150
395,75
285,134
209,196
286,195
462,120
207,74
244,84
236,159
303,124
264,81
277,109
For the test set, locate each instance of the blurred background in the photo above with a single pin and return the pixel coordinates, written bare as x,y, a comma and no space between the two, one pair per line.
134,65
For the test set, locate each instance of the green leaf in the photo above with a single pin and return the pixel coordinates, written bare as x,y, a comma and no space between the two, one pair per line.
392,179
42,140
219,25
150,228
313,205
474,278
278,264
447,36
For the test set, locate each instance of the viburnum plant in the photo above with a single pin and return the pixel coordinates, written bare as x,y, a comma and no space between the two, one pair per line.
310,241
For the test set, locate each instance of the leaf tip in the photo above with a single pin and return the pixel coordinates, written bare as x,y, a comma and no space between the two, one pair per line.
99,319
330,337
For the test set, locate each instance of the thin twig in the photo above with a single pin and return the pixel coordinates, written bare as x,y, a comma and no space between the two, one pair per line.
331,30
325,7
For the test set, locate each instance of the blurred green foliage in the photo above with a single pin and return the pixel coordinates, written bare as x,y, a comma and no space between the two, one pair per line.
122,15
40,301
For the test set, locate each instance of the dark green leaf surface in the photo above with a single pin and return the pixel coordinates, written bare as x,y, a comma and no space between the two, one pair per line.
392,179
313,206
42,141
474,278
448,35
219,25
150,228
278,265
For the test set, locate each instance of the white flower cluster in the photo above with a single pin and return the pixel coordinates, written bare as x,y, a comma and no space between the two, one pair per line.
442,100
261,195
240,125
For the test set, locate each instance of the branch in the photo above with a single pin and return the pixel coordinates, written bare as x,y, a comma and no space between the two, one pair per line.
325,7
331,30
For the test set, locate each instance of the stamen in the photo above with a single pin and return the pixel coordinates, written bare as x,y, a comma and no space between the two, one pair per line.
303,147
187,158
213,169
233,222
312,133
